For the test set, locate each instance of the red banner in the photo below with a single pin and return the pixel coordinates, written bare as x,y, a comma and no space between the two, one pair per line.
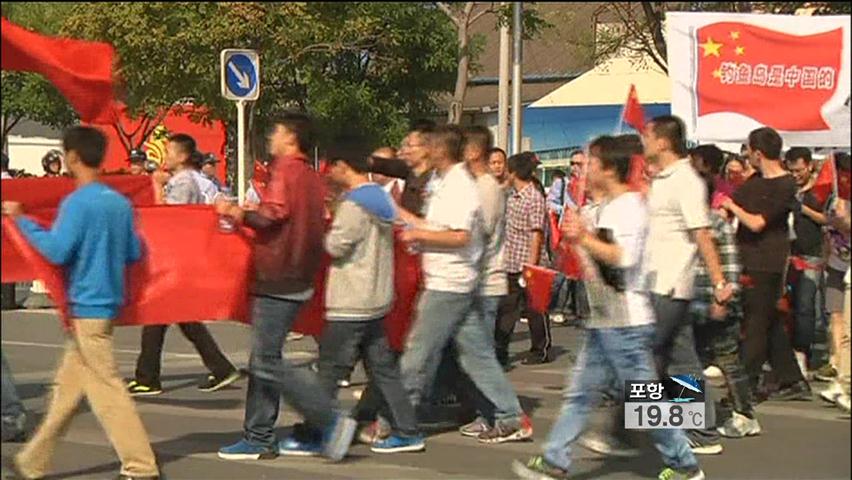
41,198
780,80
190,271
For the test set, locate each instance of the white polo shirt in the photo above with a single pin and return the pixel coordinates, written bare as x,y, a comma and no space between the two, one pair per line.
454,205
677,204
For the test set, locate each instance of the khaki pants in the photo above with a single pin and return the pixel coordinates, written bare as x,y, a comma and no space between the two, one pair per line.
843,374
88,369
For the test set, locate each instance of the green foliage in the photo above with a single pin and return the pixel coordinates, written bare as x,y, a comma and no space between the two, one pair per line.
353,65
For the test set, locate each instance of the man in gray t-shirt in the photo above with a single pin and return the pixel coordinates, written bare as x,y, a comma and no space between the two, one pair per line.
181,189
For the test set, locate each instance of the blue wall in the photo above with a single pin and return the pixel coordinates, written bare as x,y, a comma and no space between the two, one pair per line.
561,127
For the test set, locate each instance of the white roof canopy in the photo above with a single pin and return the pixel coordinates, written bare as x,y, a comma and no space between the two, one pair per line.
609,83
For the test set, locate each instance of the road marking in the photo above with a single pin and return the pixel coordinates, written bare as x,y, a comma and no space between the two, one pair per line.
298,355
116,350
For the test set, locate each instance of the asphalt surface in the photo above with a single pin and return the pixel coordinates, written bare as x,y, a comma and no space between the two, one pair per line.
800,440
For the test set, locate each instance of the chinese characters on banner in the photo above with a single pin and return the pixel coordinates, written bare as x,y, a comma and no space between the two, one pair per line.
733,73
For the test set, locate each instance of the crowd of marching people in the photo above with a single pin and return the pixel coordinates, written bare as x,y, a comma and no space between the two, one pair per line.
733,268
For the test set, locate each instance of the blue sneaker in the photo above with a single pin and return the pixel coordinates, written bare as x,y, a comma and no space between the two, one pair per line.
243,450
396,444
337,438
293,447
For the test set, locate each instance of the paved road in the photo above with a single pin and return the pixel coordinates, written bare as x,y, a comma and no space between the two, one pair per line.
801,440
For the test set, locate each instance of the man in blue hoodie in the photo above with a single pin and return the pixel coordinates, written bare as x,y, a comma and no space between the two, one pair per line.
94,239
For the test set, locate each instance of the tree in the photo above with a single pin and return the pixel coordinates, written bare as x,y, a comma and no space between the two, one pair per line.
464,15
370,63
28,95
638,27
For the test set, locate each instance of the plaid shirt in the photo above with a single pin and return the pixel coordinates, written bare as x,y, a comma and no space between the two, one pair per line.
725,239
526,213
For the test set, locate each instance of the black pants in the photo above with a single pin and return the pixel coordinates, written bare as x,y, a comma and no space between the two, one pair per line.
153,336
675,353
721,342
765,338
511,308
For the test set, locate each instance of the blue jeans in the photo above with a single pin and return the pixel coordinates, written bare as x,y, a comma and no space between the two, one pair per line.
627,351
343,344
808,305
12,408
273,377
487,315
444,317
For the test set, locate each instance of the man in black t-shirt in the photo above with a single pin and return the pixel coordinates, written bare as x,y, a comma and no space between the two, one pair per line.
806,262
762,206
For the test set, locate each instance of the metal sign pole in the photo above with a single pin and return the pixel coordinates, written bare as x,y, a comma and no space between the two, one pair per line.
241,152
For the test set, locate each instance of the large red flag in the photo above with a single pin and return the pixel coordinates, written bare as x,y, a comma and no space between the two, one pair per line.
824,183
780,80
82,71
633,114
190,271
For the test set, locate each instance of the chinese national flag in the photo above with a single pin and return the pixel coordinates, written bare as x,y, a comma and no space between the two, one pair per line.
824,183
780,80
634,115
539,287
81,70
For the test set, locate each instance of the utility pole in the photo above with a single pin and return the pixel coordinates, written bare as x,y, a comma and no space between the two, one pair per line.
517,76
503,89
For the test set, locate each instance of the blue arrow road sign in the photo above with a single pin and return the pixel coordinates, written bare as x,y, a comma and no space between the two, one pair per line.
240,72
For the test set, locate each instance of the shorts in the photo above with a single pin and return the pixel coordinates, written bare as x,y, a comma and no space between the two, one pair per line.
834,290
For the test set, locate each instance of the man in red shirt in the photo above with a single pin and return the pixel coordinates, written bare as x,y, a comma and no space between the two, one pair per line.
290,226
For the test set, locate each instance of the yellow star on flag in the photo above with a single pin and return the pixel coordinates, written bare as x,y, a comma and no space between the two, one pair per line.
735,35
711,48
740,50
717,73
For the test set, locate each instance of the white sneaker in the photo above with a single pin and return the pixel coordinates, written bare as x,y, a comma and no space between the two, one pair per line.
294,336
557,318
802,360
832,393
843,403
523,320
739,426
713,372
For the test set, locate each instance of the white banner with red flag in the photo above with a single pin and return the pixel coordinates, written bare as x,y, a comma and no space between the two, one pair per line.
733,73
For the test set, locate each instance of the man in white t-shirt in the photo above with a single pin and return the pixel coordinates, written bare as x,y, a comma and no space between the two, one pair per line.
620,329
679,231
452,240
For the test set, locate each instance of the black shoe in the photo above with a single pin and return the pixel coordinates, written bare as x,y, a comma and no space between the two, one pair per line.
128,477
799,391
